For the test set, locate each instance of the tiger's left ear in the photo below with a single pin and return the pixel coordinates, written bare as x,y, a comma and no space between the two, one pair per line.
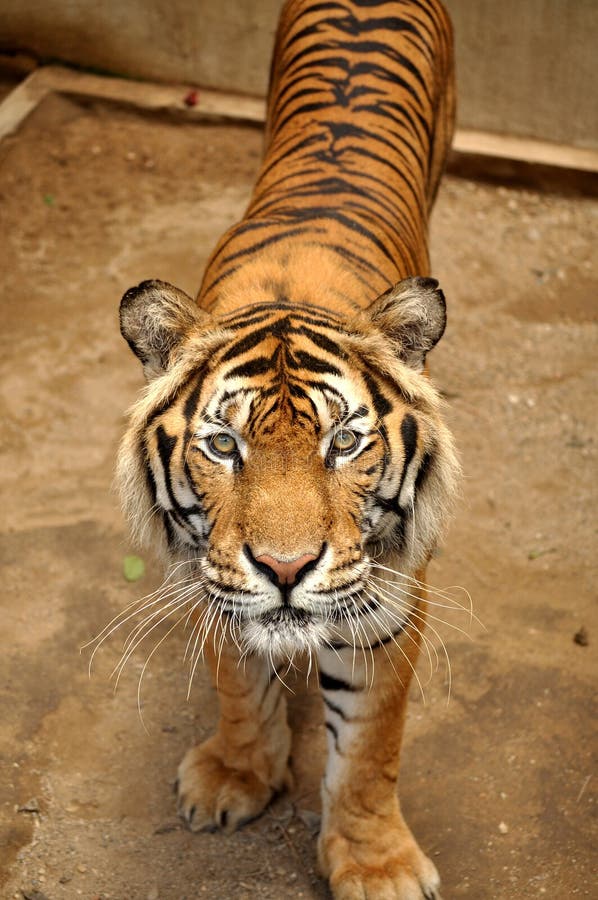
154,318
412,315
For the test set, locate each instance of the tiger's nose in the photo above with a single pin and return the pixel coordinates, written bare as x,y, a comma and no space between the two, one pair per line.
287,572
282,572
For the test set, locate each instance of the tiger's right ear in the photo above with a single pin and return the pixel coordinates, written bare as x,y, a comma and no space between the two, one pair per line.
154,318
412,315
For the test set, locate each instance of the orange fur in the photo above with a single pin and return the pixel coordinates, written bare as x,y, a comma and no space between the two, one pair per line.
289,417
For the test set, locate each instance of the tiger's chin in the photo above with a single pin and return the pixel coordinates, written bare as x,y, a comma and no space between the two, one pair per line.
284,633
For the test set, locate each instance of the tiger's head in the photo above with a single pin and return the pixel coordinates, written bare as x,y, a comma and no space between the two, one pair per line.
283,451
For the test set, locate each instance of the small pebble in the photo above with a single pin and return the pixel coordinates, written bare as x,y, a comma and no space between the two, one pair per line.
81,868
503,828
581,637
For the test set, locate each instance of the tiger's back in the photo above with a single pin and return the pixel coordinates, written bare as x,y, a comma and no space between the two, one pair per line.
360,119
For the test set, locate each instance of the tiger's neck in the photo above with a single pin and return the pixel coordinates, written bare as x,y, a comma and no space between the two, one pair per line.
299,272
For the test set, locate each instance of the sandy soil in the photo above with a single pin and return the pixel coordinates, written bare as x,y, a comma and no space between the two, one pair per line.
498,783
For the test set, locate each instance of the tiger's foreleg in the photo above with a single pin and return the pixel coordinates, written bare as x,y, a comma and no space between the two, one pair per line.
230,778
365,848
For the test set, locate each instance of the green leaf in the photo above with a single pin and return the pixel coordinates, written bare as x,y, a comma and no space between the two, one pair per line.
536,554
133,568
49,199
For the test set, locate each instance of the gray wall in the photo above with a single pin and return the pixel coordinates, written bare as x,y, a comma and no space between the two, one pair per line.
525,67
528,67
215,43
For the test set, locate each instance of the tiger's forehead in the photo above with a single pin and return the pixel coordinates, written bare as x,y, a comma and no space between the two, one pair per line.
308,325
282,340
281,363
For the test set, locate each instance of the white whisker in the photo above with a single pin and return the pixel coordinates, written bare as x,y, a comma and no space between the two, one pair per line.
402,619
145,665
386,596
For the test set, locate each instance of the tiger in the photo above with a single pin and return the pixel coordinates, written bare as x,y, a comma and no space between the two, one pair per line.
289,457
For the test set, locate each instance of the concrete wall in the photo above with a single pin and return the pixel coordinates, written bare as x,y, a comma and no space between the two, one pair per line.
215,43
528,67
525,67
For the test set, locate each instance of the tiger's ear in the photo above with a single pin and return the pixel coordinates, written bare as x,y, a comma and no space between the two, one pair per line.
154,318
412,315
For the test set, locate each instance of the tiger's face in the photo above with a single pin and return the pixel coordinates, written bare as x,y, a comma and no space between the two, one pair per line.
278,450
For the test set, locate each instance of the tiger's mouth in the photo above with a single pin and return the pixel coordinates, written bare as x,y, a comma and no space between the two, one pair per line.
286,615
282,632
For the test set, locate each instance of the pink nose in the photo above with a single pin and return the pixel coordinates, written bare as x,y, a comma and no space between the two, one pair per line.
286,572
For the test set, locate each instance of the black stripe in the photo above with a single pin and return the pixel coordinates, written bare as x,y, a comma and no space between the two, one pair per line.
320,213
166,445
266,242
381,405
222,277
424,470
334,734
329,683
306,312
359,261
337,645
221,588
409,436
300,359
323,342
170,534
387,109
335,709
387,639
278,328
252,367
248,319
193,398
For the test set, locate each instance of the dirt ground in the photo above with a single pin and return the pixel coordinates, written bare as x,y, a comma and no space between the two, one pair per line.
497,783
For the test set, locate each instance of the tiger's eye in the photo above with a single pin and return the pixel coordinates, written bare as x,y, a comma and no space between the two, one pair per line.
223,444
344,440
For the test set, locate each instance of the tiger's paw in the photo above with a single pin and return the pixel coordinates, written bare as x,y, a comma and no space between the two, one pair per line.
214,796
400,873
